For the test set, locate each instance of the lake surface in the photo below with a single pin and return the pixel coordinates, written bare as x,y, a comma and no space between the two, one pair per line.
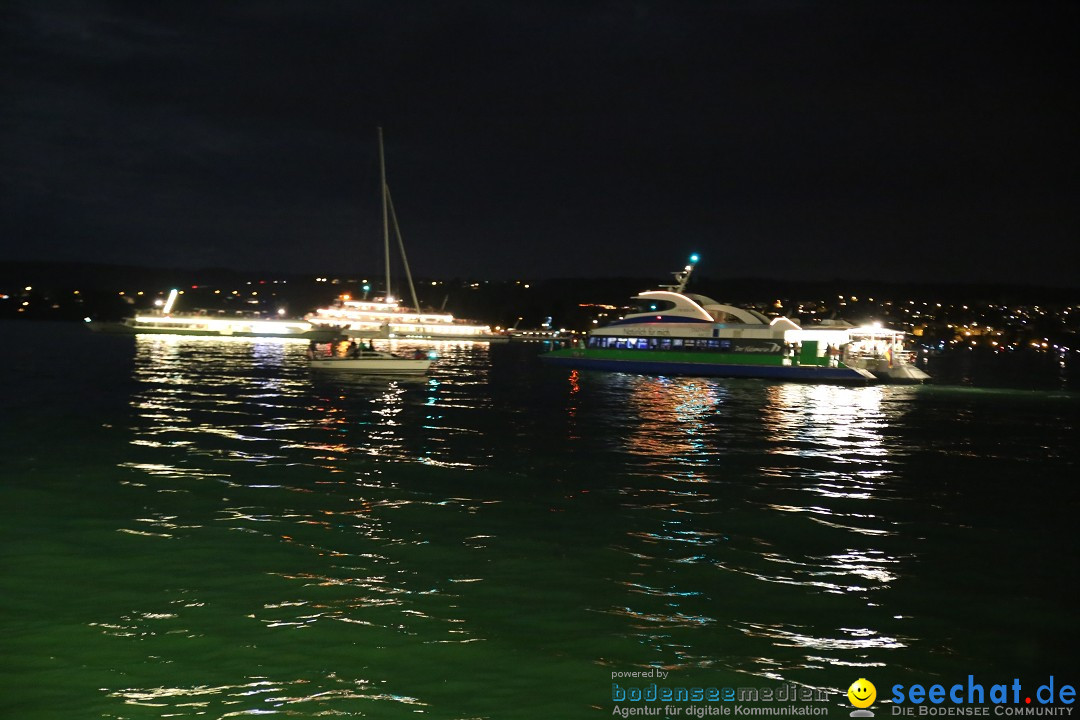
196,528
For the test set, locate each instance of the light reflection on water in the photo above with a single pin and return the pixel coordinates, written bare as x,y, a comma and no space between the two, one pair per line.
322,463
260,394
751,525
291,543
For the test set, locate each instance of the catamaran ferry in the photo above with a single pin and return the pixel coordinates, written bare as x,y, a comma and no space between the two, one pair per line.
672,332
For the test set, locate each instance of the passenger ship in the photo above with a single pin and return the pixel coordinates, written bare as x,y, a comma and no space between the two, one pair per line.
387,318
672,332
204,323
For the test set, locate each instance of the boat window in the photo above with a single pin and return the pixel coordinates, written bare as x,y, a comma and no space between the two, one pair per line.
643,344
649,305
677,343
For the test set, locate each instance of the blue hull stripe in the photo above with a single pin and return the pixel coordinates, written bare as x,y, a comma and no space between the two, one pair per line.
773,372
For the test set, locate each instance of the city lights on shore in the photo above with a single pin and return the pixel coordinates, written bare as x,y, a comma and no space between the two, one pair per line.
934,324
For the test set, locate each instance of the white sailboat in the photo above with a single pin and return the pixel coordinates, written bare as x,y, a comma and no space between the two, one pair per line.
386,317
372,362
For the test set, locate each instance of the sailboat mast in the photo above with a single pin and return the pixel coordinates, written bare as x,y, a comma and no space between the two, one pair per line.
385,217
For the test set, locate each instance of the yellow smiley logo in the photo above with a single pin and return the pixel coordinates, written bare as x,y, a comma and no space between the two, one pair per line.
862,693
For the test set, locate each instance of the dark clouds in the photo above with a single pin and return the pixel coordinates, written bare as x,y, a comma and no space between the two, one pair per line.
919,141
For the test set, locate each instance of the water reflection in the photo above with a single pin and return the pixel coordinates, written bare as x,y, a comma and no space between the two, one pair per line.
673,419
285,696
800,519
310,491
222,398
259,540
841,423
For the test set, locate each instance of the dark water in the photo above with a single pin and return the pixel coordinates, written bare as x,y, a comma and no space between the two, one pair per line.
198,528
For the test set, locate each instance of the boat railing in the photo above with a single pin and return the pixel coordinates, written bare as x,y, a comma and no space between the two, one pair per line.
899,357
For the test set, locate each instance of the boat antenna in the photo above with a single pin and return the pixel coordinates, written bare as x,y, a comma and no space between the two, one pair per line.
385,218
683,276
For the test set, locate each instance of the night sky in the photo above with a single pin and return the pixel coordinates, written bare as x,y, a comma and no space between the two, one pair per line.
931,141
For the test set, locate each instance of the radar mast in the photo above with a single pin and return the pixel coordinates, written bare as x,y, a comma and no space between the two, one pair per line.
682,277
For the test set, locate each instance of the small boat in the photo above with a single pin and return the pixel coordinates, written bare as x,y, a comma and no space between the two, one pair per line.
373,362
548,336
673,332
